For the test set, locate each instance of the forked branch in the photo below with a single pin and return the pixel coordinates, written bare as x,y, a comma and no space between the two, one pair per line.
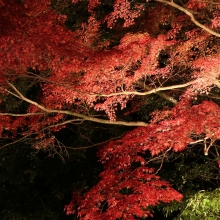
152,91
190,14
66,112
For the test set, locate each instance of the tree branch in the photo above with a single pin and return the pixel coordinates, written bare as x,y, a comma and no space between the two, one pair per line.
161,94
66,112
173,4
19,95
94,145
43,129
150,91
156,90
22,115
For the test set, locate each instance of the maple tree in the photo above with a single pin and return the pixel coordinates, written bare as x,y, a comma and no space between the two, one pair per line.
70,76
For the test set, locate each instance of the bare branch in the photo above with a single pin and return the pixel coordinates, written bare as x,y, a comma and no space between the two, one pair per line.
14,142
206,149
22,115
161,94
199,141
156,90
150,91
66,112
162,160
93,145
216,150
173,4
43,129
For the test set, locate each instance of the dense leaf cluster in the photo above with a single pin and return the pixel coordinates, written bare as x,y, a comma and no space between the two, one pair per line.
74,73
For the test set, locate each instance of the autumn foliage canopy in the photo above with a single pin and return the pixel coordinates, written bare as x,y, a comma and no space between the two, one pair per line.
168,48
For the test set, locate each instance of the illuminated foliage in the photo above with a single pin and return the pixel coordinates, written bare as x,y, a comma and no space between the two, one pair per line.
167,48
